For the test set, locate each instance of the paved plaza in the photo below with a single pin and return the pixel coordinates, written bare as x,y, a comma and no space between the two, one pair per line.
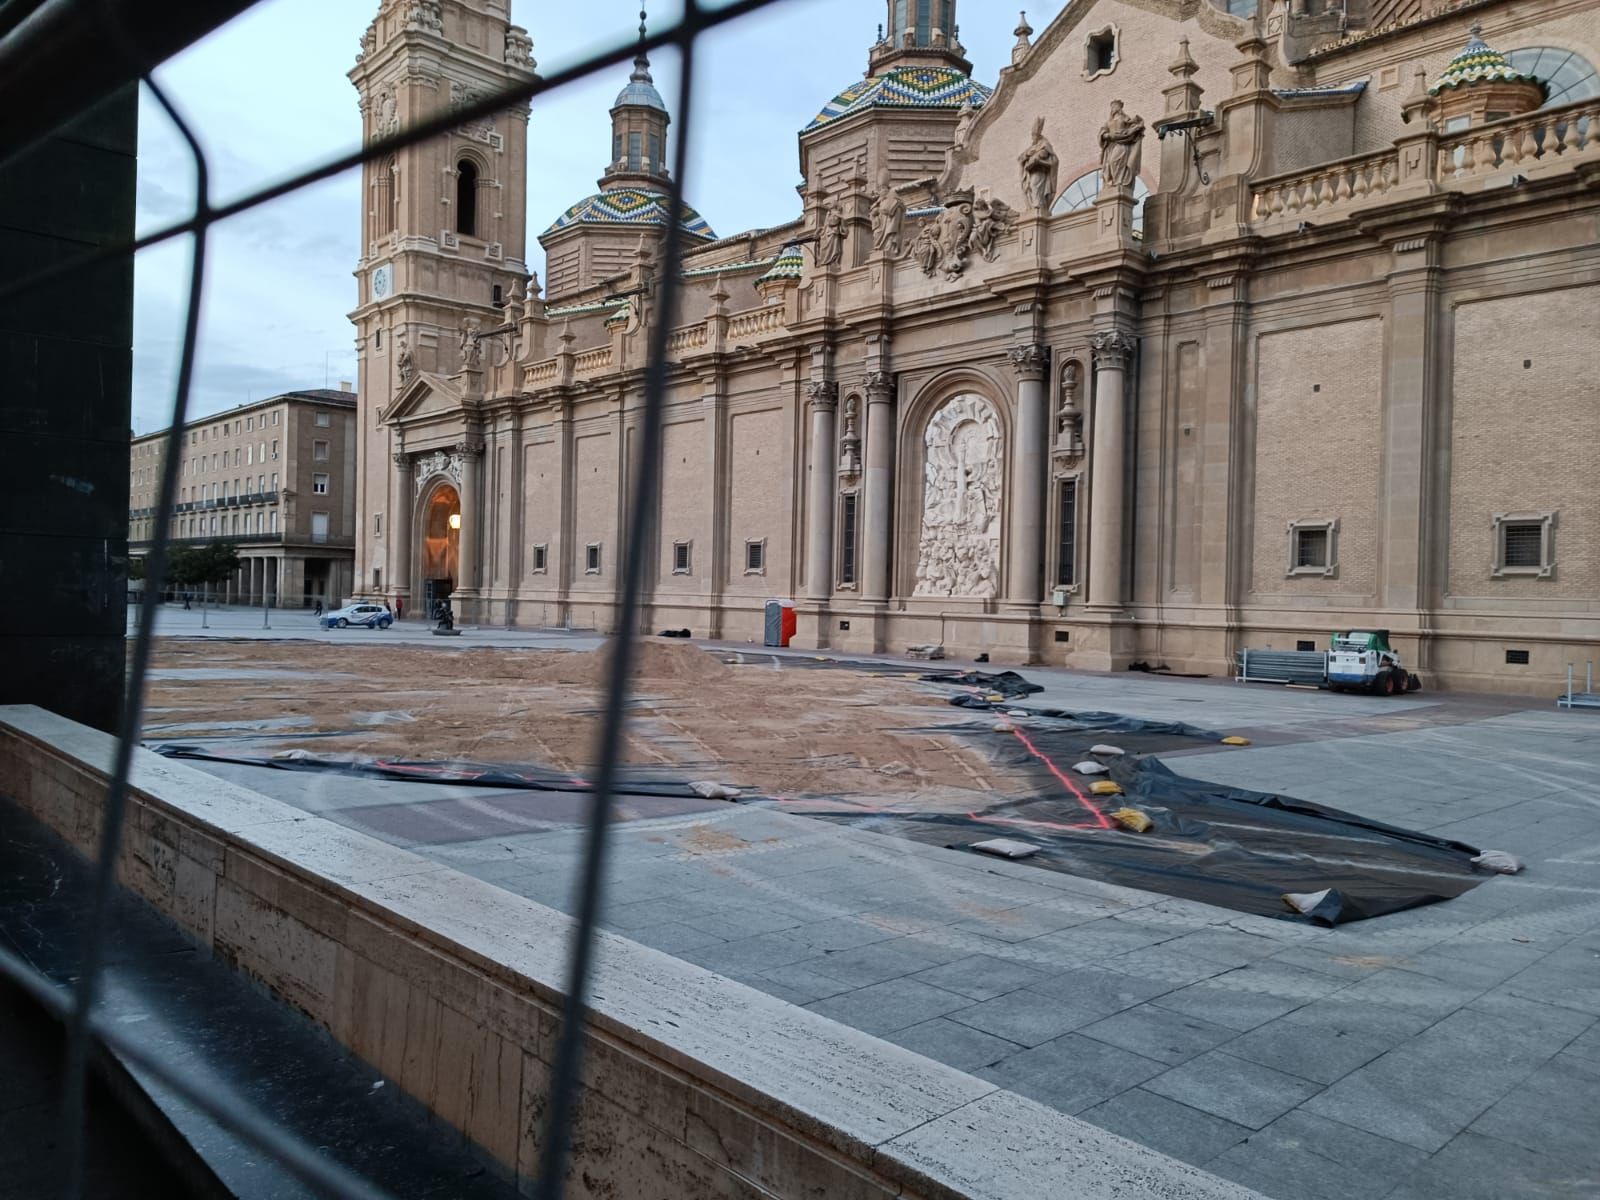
1447,1051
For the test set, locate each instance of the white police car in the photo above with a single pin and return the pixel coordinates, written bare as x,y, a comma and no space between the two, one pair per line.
370,616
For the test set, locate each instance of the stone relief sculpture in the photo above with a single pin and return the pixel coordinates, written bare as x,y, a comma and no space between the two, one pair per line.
386,119
437,463
519,48
426,16
1121,146
964,227
830,235
888,217
405,361
964,124
1039,165
926,249
959,552
471,347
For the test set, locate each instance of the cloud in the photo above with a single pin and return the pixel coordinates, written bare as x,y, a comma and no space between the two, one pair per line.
268,95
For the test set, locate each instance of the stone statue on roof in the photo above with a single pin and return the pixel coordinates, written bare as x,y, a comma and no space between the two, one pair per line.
1121,144
1039,165
888,216
830,235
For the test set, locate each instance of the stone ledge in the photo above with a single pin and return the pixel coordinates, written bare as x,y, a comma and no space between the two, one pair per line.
451,988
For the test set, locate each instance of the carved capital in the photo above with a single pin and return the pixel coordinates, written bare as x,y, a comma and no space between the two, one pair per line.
1112,349
402,461
1030,361
469,449
880,385
824,393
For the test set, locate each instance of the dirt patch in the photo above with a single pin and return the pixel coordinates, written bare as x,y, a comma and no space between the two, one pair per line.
781,731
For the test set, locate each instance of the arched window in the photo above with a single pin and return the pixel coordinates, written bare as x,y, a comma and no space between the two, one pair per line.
1083,190
467,198
1569,76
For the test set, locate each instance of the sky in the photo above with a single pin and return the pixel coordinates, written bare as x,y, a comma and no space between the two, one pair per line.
268,95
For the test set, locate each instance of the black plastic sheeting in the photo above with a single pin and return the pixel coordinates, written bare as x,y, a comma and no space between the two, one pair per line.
1231,847
461,772
1001,683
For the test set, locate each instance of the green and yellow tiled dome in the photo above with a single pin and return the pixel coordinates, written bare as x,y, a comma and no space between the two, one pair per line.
630,207
1477,63
904,87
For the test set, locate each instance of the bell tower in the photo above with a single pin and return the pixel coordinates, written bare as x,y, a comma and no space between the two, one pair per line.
920,33
443,225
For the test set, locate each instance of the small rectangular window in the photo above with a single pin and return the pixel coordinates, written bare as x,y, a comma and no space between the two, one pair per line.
1314,548
1516,658
1524,545
319,451
1311,548
319,527
274,448
680,558
377,525
250,424
323,420
591,559
275,417
319,485
1304,646
541,559
755,556
377,579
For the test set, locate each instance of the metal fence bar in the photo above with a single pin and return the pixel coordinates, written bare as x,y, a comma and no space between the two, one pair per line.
83,1029
569,1047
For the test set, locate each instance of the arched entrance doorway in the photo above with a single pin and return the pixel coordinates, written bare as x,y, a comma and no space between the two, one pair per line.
441,543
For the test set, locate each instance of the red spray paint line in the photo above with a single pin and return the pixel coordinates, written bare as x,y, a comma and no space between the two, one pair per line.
1100,818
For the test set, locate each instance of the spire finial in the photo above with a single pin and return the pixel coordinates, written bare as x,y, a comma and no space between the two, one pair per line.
641,60
1477,31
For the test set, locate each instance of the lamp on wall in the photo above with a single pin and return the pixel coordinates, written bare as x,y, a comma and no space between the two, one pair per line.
455,520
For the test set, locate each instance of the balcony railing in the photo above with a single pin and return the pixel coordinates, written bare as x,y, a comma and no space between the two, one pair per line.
1565,134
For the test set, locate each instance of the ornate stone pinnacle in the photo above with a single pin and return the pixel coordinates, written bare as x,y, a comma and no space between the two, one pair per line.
1113,348
1030,361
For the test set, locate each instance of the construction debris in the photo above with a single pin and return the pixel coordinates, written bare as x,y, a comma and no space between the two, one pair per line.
1006,848
1132,819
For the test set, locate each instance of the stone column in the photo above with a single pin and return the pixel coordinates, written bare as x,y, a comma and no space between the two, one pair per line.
877,485
820,489
1112,351
273,565
1032,365
471,513
399,532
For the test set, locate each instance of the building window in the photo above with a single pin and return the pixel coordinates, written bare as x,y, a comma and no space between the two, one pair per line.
377,340
238,458
272,521
377,525
591,559
1100,52
275,417
498,296
1524,545
755,556
467,198
319,485
541,559
635,150
847,539
250,424
1313,548
319,451
681,557
274,449
319,527
323,420
274,481
377,579
1067,545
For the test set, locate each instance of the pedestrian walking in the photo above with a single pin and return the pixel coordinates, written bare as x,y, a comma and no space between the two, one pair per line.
317,612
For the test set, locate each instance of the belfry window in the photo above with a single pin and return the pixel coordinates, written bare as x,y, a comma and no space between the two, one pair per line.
635,150
467,198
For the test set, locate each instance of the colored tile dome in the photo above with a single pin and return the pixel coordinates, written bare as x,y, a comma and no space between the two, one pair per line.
790,264
1479,63
904,87
630,208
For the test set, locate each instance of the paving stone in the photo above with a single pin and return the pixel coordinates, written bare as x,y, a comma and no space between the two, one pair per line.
840,933
1377,1020
1410,992
981,976
1345,962
1168,966
1428,1089
1233,1088
1474,1167
1165,1125
866,965
1320,1053
1569,978
1558,1023
1100,992
884,1007
673,937
749,955
1071,1073
1025,1017
954,1044
736,923
1032,920
800,983
1303,1157
1251,995
1587,1044
1554,1111
1226,946
1159,1033
1101,939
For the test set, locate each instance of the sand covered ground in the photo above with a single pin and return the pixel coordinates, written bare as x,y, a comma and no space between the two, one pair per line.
789,730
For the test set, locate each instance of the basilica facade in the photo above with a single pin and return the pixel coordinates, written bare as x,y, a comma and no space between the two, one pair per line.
1205,325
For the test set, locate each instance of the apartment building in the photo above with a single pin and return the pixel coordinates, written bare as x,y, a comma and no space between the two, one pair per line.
272,478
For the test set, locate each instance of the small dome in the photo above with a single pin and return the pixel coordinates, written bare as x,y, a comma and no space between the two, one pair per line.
1479,63
904,87
630,208
790,264
641,89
